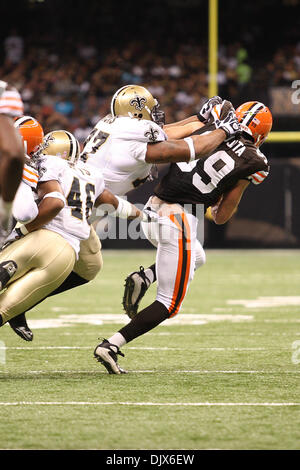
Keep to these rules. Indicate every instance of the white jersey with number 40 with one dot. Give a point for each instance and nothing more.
(118, 146)
(81, 185)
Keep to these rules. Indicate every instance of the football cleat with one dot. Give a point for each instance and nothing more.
(136, 285)
(107, 354)
(20, 327)
(7, 270)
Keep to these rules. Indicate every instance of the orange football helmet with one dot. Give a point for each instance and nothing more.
(31, 132)
(255, 119)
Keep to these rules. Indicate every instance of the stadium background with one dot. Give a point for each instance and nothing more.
(68, 58)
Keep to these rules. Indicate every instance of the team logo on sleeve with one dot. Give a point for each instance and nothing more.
(151, 134)
(138, 102)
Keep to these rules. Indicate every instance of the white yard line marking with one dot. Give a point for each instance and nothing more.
(111, 403)
(101, 371)
(66, 320)
(266, 302)
(141, 348)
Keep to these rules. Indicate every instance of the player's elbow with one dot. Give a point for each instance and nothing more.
(58, 205)
(221, 220)
(222, 216)
(25, 214)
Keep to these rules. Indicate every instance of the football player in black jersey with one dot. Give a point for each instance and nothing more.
(217, 181)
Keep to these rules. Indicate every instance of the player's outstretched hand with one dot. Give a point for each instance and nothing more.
(230, 125)
(205, 112)
(221, 110)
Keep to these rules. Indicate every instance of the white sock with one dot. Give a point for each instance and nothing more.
(117, 339)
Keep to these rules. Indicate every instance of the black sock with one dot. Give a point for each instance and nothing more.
(145, 321)
(73, 280)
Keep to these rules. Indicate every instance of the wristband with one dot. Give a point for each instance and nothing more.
(22, 229)
(190, 143)
(124, 209)
(56, 195)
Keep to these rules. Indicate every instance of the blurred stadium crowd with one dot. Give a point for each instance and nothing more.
(67, 81)
(74, 92)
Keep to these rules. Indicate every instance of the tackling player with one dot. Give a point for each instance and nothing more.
(127, 144)
(41, 254)
(218, 180)
(11, 154)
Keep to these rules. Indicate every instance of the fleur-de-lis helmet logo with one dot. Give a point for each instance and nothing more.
(138, 102)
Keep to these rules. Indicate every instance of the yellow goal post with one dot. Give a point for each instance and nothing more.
(213, 38)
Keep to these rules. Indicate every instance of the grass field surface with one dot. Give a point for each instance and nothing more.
(223, 374)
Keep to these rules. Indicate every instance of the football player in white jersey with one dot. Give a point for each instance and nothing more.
(126, 144)
(11, 154)
(43, 253)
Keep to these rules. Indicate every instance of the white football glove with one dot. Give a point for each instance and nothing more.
(230, 125)
(16, 234)
(149, 215)
(205, 112)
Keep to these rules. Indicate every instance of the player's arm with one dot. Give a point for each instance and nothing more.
(183, 122)
(196, 146)
(180, 151)
(52, 202)
(119, 207)
(12, 158)
(183, 129)
(228, 203)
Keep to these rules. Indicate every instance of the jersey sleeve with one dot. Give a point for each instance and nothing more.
(30, 176)
(140, 133)
(11, 103)
(259, 176)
